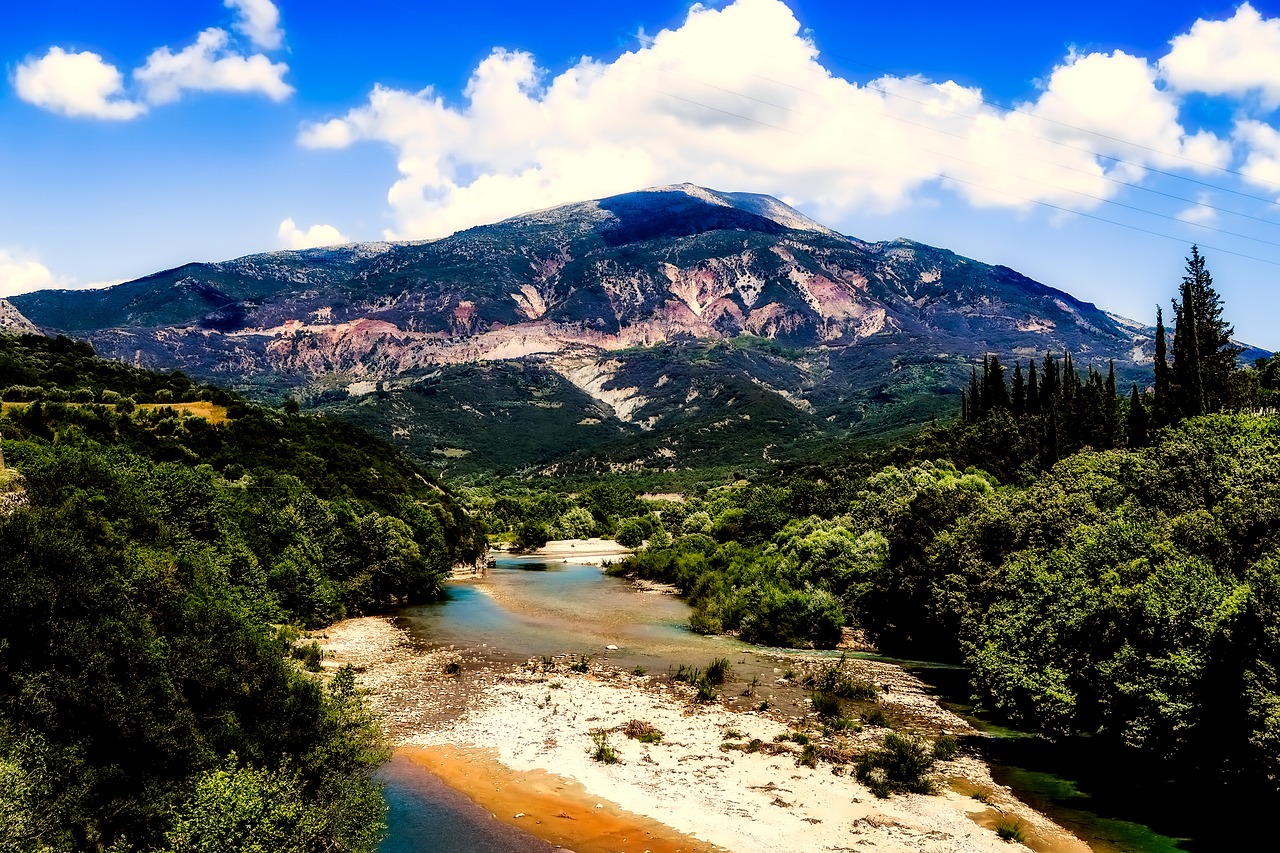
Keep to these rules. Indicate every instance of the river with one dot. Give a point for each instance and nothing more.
(526, 608)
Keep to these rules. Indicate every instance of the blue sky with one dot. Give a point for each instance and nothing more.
(136, 136)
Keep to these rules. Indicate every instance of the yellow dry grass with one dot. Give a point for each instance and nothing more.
(211, 412)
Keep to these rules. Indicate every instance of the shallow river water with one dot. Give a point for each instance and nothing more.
(525, 608)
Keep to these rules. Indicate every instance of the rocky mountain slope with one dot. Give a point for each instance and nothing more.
(676, 325)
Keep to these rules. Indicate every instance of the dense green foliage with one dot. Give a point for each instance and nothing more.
(1130, 594)
(148, 698)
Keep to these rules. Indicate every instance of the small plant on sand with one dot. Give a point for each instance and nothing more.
(643, 731)
(600, 750)
(555, 685)
(900, 766)
(751, 686)
(825, 704)
(1010, 830)
(795, 737)
(834, 680)
(719, 670)
(946, 748)
(453, 667)
(808, 756)
(753, 745)
(706, 691)
(732, 734)
(639, 670)
(876, 717)
(789, 675)
(548, 663)
(687, 674)
(763, 706)
(581, 664)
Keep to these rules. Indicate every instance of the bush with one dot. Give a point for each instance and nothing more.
(825, 704)
(1011, 830)
(718, 670)
(900, 766)
(946, 748)
(643, 731)
(601, 751)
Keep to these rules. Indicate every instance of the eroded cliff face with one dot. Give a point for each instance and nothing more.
(597, 292)
(12, 321)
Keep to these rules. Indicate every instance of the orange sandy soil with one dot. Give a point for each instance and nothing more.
(557, 810)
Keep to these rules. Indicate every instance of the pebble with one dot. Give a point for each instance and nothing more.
(611, 647)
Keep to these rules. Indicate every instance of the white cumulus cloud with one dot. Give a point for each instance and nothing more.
(293, 237)
(210, 65)
(81, 85)
(84, 85)
(259, 20)
(1262, 164)
(22, 274)
(1234, 57)
(737, 98)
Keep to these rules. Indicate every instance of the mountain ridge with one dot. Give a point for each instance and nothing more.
(629, 300)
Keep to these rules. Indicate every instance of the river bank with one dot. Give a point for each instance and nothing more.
(516, 739)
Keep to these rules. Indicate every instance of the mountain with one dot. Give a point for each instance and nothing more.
(12, 322)
(672, 326)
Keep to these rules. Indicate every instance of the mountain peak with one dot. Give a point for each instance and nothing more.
(759, 204)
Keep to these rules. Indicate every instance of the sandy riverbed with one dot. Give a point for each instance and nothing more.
(517, 740)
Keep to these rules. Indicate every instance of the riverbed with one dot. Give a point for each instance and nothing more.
(525, 609)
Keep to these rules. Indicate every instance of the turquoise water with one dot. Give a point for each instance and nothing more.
(524, 609)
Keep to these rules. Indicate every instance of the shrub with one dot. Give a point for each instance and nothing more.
(808, 756)
(901, 765)
(1010, 830)
(706, 691)
(718, 670)
(945, 748)
(643, 731)
(639, 670)
(825, 704)
(581, 664)
(876, 717)
(601, 751)
(310, 655)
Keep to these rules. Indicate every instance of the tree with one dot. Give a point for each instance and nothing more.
(1139, 421)
(1207, 353)
(1162, 404)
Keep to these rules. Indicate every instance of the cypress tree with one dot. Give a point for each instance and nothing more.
(1033, 387)
(995, 394)
(1217, 356)
(1019, 395)
(1187, 382)
(976, 404)
(1139, 423)
(1162, 403)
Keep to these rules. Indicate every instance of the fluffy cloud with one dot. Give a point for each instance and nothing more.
(1233, 57)
(210, 65)
(737, 98)
(20, 274)
(81, 85)
(259, 20)
(1262, 165)
(293, 237)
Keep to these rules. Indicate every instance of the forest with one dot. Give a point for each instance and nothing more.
(153, 692)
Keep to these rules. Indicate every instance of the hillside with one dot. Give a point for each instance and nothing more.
(626, 326)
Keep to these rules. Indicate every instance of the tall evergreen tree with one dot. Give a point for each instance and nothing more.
(1186, 377)
(995, 394)
(1033, 388)
(1162, 414)
(976, 407)
(1018, 397)
(1217, 355)
(1139, 423)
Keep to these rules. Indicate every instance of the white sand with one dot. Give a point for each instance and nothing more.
(743, 802)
